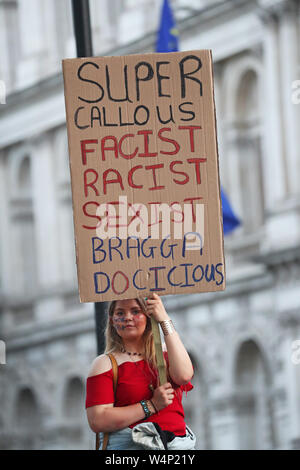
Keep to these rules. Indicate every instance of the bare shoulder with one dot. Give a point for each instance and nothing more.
(99, 365)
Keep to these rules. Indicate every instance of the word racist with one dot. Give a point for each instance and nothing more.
(137, 177)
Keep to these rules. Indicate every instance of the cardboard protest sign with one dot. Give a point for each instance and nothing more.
(144, 174)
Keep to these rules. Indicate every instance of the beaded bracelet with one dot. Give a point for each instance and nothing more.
(145, 408)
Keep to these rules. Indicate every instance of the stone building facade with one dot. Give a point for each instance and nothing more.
(247, 374)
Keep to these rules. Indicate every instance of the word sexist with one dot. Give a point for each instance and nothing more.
(90, 211)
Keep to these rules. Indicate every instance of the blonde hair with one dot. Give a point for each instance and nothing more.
(114, 341)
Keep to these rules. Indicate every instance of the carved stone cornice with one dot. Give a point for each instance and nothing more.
(223, 403)
(280, 257)
(273, 10)
(238, 400)
(289, 318)
(295, 444)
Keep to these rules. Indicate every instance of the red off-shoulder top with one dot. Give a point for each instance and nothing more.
(133, 386)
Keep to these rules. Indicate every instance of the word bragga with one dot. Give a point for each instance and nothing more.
(183, 275)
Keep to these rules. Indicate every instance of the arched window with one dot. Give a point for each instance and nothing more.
(27, 420)
(2, 351)
(248, 142)
(74, 399)
(242, 138)
(22, 233)
(27, 413)
(253, 405)
(10, 43)
(64, 203)
(196, 408)
(247, 103)
(64, 37)
(24, 177)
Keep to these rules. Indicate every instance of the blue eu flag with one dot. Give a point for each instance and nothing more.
(230, 221)
(167, 41)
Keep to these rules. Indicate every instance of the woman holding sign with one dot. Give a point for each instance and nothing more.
(141, 414)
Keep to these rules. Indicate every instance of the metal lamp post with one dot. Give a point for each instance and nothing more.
(84, 47)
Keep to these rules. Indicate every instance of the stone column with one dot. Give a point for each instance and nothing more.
(102, 30)
(224, 422)
(290, 322)
(220, 125)
(5, 72)
(282, 226)
(274, 165)
(35, 24)
(233, 169)
(49, 304)
(6, 248)
(289, 72)
(293, 371)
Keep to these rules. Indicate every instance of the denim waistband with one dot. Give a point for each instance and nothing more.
(146, 436)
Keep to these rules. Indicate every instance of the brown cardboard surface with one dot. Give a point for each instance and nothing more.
(143, 126)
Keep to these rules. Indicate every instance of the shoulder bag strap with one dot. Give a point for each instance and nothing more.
(115, 371)
(115, 383)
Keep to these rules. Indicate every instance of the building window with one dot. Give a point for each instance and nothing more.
(65, 213)
(196, 408)
(253, 407)
(74, 399)
(248, 142)
(24, 269)
(27, 420)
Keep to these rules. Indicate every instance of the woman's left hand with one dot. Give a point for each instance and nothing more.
(156, 308)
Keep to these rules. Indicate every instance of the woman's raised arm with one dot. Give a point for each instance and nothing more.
(180, 365)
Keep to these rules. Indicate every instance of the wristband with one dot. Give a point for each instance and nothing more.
(145, 408)
(154, 407)
(167, 327)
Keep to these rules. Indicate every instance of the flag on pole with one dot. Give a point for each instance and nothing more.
(230, 220)
(168, 41)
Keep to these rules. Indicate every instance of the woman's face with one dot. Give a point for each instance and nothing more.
(129, 319)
